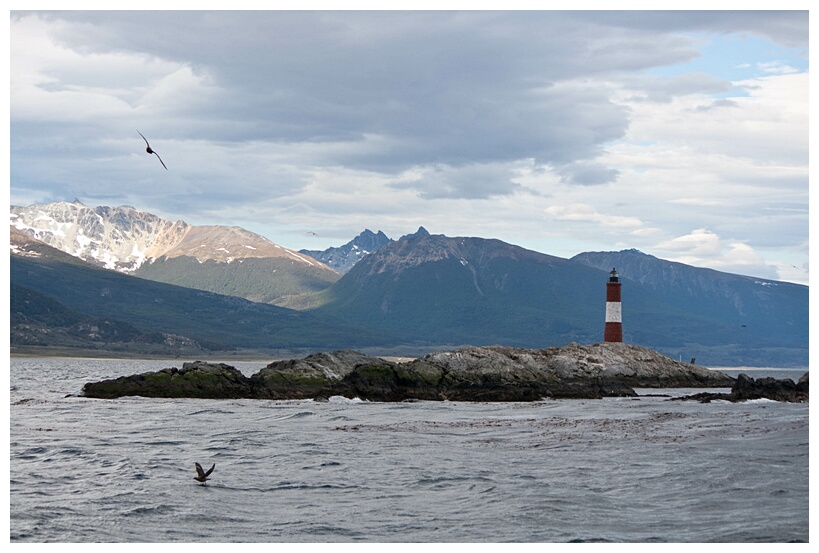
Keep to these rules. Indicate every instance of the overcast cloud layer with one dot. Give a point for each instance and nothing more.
(682, 134)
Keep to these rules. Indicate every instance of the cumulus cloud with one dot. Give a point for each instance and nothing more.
(498, 93)
(704, 248)
(474, 181)
(664, 90)
(587, 173)
(587, 213)
(789, 27)
(700, 242)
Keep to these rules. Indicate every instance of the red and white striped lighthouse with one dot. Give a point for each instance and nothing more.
(614, 321)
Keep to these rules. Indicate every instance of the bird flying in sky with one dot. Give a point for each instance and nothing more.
(150, 151)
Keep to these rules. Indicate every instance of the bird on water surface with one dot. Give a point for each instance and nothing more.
(201, 475)
(150, 151)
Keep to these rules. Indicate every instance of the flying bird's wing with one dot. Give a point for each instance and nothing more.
(143, 138)
(160, 160)
(210, 470)
(199, 471)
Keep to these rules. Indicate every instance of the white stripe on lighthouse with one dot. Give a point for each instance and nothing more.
(613, 312)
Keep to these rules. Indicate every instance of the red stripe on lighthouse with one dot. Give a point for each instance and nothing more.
(613, 292)
(614, 322)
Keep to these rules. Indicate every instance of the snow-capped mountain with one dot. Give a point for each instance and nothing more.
(119, 238)
(123, 238)
(344, 257)
(221, 259)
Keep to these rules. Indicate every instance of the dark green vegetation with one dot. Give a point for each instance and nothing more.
(264, 280)
(56, 291)
(39, 322)
(470, 290)
(427, 291)
(199, 380)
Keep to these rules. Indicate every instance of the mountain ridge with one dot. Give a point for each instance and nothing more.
(343, 258)
(439, 290)
(124, 238)
(222, 259)
(216, 322)
(734, 299)
(484, 291)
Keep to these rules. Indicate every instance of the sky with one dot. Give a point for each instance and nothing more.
(683, 134)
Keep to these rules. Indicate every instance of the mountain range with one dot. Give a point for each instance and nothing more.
(343, 258)
(220, 259)
(482, 291)
(422, 290)
(60, 301)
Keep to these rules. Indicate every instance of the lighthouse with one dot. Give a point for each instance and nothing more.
(614, 321)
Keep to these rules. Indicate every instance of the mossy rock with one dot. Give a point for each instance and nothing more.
(197, 379)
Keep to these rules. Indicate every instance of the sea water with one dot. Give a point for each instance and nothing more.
(618, 469)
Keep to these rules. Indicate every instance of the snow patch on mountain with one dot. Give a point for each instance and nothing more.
(123, 238)
(343, 258)
(119, 238)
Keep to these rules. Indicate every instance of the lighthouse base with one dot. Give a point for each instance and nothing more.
(613, 332)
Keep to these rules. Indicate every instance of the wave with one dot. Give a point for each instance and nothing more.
(211, 411)
(283, 486)
(160, 509)
(345, 401)
(298, 415)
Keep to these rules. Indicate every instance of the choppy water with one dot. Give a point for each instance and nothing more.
(644, 469)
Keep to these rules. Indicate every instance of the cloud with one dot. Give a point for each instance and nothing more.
(717, 104)
(786, 27)
(587, 173)
(476, 181)
(437, 88)
(499, 93)
(700, 242)
(664, 90)
(705, 248)
(777, 67)
(587, 213)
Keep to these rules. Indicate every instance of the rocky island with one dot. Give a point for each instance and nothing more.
(746, 388)
(492, 373)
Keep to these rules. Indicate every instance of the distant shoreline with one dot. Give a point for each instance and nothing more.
(253, 356)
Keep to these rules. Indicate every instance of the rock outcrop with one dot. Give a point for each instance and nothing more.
(493, 373)
(746, 388)
(196, 380)
(316, 375)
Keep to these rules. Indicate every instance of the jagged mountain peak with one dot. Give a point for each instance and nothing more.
(119, 238)
(470, 253)
(370, 240)
(124, 238)
(343, 258)
(417, 234)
